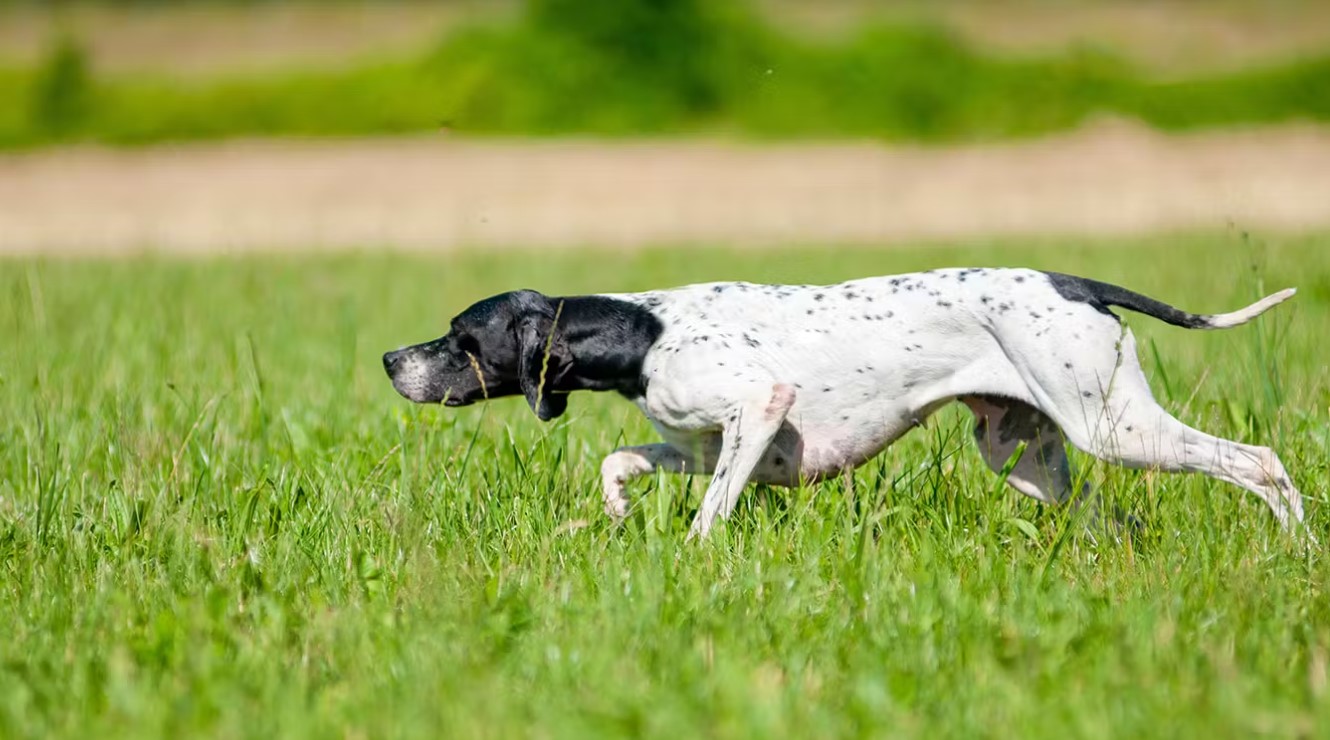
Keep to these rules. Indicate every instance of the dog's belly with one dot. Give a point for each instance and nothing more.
(835, 440)
(809, 446)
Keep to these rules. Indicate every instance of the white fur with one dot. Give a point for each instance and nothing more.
(782, 383)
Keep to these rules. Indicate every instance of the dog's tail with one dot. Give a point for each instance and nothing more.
(1101, 295)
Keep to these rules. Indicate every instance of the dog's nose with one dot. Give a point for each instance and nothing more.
(390, 359)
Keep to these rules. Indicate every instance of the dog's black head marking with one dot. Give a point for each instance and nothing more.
(526, 343)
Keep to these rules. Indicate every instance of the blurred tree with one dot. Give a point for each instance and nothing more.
(672, 44)
(60, 95)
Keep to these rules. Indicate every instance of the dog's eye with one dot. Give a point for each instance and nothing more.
(468, 343)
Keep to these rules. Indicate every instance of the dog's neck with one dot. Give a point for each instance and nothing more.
(609, 340)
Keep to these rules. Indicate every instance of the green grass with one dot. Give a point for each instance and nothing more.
(216, 517)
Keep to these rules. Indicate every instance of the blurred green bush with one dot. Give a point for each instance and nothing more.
(625, 67)
(60, 91)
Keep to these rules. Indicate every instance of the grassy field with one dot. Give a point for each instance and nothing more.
(216, 517)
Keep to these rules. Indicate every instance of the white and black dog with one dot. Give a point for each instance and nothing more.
(783, 383)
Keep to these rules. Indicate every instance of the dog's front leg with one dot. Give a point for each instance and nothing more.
(627, 463)
(746, 435)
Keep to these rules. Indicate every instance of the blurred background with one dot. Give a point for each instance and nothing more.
(134, 125)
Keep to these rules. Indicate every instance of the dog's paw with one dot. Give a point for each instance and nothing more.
(617, 509)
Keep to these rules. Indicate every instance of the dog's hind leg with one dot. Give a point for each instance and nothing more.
(1144, 435)
(627, 463)
(1107, 410)
(745, 437)
(1043, 471)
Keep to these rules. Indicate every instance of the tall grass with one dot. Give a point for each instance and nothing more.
(611, 67)
(216, 517)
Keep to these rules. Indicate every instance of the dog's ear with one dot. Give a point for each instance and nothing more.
(542, 354)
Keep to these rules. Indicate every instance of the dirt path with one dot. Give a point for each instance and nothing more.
(440, 193)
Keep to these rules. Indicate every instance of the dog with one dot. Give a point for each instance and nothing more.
(783, 384)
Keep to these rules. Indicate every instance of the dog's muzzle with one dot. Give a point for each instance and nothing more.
(410, 376)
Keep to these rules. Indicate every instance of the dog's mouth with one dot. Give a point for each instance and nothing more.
(417, 382)
(449, 398)
(420, 380)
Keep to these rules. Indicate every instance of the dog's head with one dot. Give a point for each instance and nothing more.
(502, 346)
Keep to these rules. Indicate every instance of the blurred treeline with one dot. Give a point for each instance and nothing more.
(625, 67)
